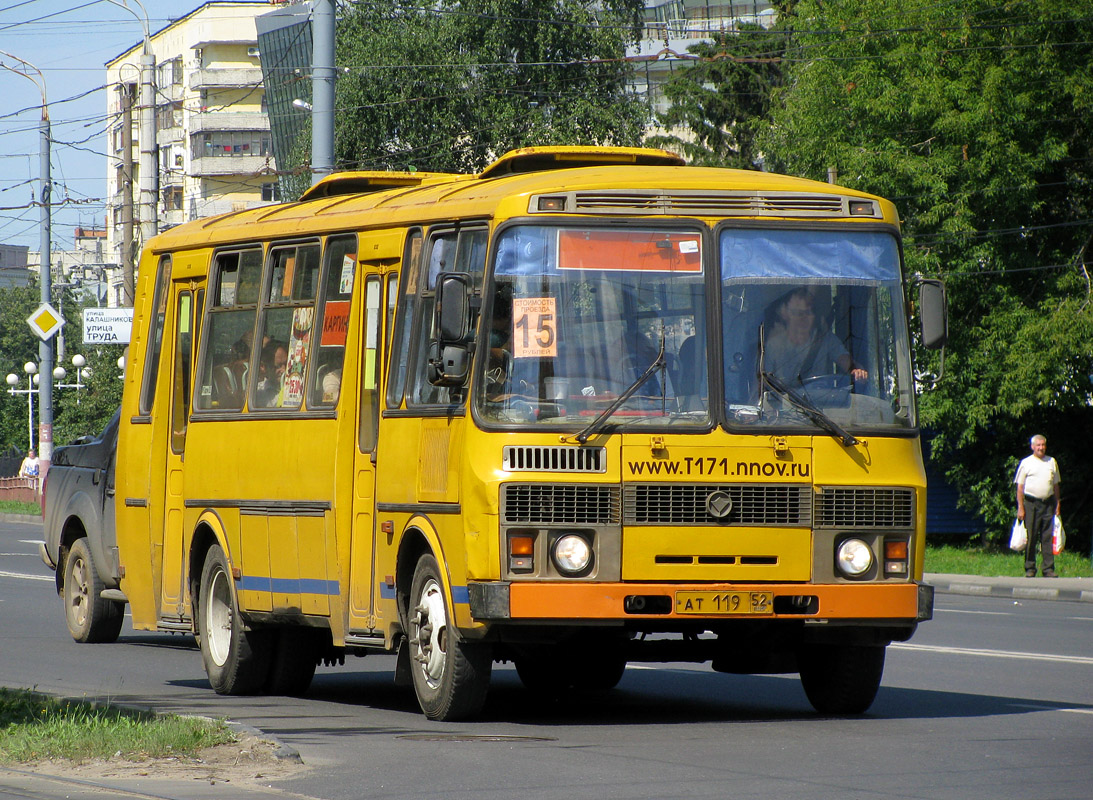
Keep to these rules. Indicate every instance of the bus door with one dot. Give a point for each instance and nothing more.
(185, 313)
(362, 576)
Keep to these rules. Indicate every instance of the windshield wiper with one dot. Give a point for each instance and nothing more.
(809, 409)
(658, 363)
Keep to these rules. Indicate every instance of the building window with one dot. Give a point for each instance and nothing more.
(169, 115)
(218, 144)
(172, 198)
(271, 192)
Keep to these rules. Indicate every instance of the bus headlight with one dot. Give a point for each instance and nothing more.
(854, 557)
(572, 554)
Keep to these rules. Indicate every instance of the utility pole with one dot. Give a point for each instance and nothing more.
(45, 277)
(322, 89)
(128, 262)
(149, 169)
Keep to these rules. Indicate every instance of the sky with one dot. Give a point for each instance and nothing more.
(70, 41)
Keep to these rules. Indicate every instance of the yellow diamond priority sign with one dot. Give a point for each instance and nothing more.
(45, 321)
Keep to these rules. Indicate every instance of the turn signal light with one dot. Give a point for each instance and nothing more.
(521, 553)
(896, 556)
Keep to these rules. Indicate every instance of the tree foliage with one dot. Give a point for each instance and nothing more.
(450, 86)
(76, 412)
(719, 104)
(974, 118)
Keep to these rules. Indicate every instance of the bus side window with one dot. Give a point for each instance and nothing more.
(399, 336)
(226, 356)
(369, 419)
(288, 316)
(332, 324)
(449, 251)
(159, 310)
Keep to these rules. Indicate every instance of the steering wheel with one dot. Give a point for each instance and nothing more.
(829, 389)
(500, 370)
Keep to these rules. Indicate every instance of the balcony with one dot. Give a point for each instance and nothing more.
(228, 121)
(225, 78)
(212, 166)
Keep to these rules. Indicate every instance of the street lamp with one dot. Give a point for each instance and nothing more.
(31, 369)
(59, 374)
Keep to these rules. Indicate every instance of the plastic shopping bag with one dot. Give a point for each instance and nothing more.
(1058, 537)
(1018, 536)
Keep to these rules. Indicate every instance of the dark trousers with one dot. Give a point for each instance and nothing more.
(1040, 524)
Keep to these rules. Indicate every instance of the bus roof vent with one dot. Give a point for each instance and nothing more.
(365, 182)
(553, 458)
(719, 204)
(539, 159)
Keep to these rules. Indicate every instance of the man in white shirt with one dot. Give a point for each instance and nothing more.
(1038, 503)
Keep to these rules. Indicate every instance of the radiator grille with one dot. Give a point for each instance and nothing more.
(685, 504)
(554, 459)
(727, 204)
(865, 507)
(549, 504)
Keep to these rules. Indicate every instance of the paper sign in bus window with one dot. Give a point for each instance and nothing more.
(534, 327)
(629, 251)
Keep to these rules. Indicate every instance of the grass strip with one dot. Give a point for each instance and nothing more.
(992, 562)
(34, 727)
(17, 507)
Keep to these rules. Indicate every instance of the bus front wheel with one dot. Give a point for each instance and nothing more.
(237, 660)
(840, 678)
(450, 675)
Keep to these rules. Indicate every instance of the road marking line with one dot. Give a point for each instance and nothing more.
(5, 574)
(964, 611)
(1037, 707)
(969, 651)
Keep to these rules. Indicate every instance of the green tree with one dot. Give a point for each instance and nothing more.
(974, 118)
(719, 104)
(17, 346)
(450, 86)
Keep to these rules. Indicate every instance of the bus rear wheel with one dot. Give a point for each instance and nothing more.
(90, 618)
(841, 679)
(450, 675)
(237, 660)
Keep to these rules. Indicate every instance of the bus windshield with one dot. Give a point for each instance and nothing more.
(812, 329)
(815, 316)
(579, 315)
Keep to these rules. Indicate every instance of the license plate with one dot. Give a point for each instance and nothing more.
(720, 603)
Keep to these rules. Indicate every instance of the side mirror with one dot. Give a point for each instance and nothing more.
(933, 313)
(453, 307)
(450, 350)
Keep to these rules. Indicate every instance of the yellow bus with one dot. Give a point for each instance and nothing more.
(588, 407)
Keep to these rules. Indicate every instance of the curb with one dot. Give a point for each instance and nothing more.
(1072, 590)
(25, 519)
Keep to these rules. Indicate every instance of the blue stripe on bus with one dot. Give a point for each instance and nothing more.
(460, 594)
(255, 583)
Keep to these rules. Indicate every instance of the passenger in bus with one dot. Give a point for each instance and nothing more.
(796, 348)
(271, 366)
(332, 385)
(230, 378)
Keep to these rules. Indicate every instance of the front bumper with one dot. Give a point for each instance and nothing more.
(578, 602)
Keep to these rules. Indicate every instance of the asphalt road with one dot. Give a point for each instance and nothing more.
(992, 699)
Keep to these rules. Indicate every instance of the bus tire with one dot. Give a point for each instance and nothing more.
(90, 618)
(295, 657)
(841, 679)
(450, 675)
(237, 660)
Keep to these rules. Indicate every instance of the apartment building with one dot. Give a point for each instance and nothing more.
(212, 131)
(671, 26)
